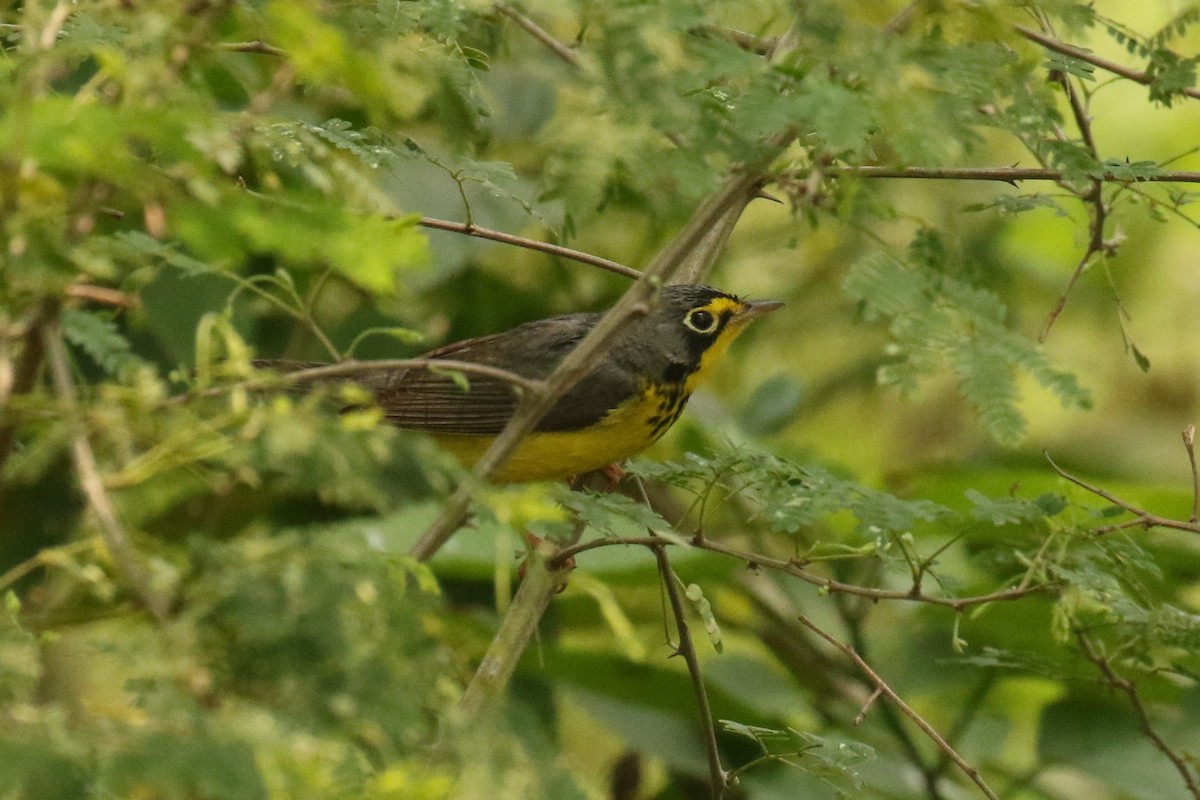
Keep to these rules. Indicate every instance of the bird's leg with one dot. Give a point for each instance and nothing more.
(615, 473)
(612, 474)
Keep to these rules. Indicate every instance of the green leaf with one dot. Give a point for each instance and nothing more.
(1125, 170)
(99, 337)
(369, 251)
(936, 320)
(1011, 510)
(1058, 62)
(614, 515)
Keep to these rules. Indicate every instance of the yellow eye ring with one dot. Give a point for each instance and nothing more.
(700, 321)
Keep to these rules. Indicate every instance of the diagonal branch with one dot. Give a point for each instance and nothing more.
(1050, 43)
(541, 34)
(1094, 197)
(970, 771)
(1129, 688)
(1142, 517)
(530, 244)
(717, 776)
(111, 530)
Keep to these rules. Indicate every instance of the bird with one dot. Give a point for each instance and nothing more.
(615, 411)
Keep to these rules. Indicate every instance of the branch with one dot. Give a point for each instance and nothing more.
(1143, 518)
(796, 569)
(1010, 175)
(1086, 56)
(530, 244)
(759, 45)
(545, 574)
(538, 32)
(353, 368)
(1189, 444)
(113, 534)
(349, 369)
(1130, 689)
(103, 295)
(892, 719)
(970, 771)
(517, 627)
(717, 776)
(1094, 198)
(257, 46)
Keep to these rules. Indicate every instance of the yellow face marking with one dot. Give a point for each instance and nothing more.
(721, 306)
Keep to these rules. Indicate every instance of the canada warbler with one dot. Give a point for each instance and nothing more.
(615, 411)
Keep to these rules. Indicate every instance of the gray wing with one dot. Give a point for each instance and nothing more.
(424, 400)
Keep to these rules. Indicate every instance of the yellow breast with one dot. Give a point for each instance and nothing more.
(551, 455)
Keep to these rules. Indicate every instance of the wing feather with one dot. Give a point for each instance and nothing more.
(420, 399)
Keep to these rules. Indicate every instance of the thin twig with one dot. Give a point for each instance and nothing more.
(103, 295)
(54, 24)
(1010, 175)
(866, 707)
(796, 569)
(970, 771)
(531, 244)
(717, 775)
(718, 778)
(353, 368)
(45, 558)
(759, 45)
(1143, 518)
(892, 719)
(538, 32)
(350, 369)
(1189, 444)
(257, 46)
(969, 710)
(1094, 198)
(115, 539)
(1135, 701)
(1051, 43)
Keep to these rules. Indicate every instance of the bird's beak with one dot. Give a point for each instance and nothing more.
(757, 309)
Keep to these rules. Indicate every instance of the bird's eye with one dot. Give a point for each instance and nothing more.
(700, 321)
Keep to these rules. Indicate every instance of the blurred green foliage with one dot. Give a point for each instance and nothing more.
(186, 187)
